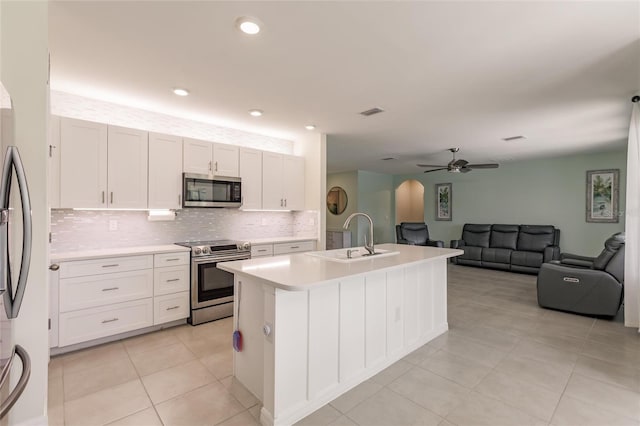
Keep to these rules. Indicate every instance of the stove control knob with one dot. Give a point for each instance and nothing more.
(197, 250)
(205, 250)
(245, 246)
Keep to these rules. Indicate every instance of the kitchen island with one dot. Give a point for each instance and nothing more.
(315, 325)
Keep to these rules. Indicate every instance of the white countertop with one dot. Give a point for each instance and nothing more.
(275, 240)
(300, 271)
(115, 252)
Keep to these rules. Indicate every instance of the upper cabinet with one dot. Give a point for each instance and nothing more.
(282, 182)
(165, 171)
(208, 158)
(53, 184)
(127, 168)
(251, 175)
(83, 164)
(102, 166)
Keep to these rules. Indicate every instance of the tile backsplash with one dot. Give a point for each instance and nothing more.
(77, 230)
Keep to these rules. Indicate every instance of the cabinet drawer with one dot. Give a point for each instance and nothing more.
(89, 324)
(300, 246)
(98, 290)
(171, 259)
(171, 279)
(81, 268)
(170, 307)
(261, 250)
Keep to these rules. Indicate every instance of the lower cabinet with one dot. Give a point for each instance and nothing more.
(261, 250)
(88, 324)
(104, 297)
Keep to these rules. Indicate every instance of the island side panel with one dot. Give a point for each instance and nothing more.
(324, 333)
(352, 330)
(248, 365)
(411, 306)
(439, 280)
(375, 319)
(395, 312)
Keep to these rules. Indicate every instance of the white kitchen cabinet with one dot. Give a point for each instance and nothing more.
(197, 156)
(226, 160)
(83, 163)
(102, 166)
(165, 171)
(53, 184)
(294, 247)
(53, 306)
(282, 182)
(251, 175)
(261, 250)
(208, 158)
(171, 287)
(127, 168)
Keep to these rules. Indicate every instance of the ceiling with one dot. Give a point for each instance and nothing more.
(447, 74)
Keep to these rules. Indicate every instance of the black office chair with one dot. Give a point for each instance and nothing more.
(416, 234)
(585, 285)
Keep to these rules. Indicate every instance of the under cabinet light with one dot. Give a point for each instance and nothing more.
(158, 215)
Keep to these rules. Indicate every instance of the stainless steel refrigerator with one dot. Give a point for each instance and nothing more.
(15, 257)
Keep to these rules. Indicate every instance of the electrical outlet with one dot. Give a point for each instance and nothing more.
(113, 225)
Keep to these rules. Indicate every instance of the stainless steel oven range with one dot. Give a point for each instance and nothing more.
(212, 288)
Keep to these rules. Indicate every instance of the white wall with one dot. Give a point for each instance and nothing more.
(24, 72)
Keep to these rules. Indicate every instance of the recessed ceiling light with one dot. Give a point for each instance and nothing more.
(248, 25)
(310, 127)
(255, 112)
(180, 92)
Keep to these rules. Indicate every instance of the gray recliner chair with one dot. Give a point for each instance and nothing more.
(585, 285)
(416, 234)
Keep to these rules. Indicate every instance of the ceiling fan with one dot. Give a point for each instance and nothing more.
(458, 166)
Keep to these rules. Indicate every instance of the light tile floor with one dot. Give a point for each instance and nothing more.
(504, 361)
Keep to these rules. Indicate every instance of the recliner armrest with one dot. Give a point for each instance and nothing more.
(576, 261)
(565, 256)
(551, 253)
(435, 243)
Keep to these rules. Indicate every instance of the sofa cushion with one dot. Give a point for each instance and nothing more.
(496, 255)
(526, 258)
(471, 253)
(535, 237)
(504, 236)
(476, 235)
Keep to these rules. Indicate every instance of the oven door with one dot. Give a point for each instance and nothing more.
(209, 285)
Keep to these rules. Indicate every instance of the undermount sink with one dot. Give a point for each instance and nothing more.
(357, 254)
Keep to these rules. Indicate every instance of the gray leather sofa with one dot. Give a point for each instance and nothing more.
(415, 233)
(585, 285)
(518, 248)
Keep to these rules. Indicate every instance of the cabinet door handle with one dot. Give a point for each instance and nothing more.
(110, 320)
(54, 267)
(285, 202)
(173, 280)
(173, 259)
(110, 288)
(209, 165)
(110, 266)
(216, 166)
(111, 197)
(173, 307)
(281, 202)
(294, 247)
(262, 250)
(102, 197)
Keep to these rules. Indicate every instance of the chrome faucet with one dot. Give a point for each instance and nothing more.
(368, 247)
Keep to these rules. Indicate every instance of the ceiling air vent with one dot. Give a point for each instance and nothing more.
(514, 138)
(372, 111)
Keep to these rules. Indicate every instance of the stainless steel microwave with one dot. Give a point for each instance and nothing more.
(207, 191)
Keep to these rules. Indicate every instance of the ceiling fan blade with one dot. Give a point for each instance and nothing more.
(483, 166)
(460, 163)
(435, 170)
(429, 165)
(464, 169)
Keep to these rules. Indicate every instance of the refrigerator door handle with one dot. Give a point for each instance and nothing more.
(12, 162)
(22, 382)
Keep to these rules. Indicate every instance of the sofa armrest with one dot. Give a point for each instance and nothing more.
(435, 243)
(551, 253)
(457, 244)
(565, 256)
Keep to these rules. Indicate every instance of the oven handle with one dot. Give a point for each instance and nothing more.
(216, 259)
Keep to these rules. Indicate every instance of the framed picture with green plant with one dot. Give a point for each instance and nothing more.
(602, 196)
(444, 206)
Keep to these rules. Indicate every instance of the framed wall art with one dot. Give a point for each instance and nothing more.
(444, 206)
(602, 196)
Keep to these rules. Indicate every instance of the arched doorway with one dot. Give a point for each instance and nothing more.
(410, 202)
